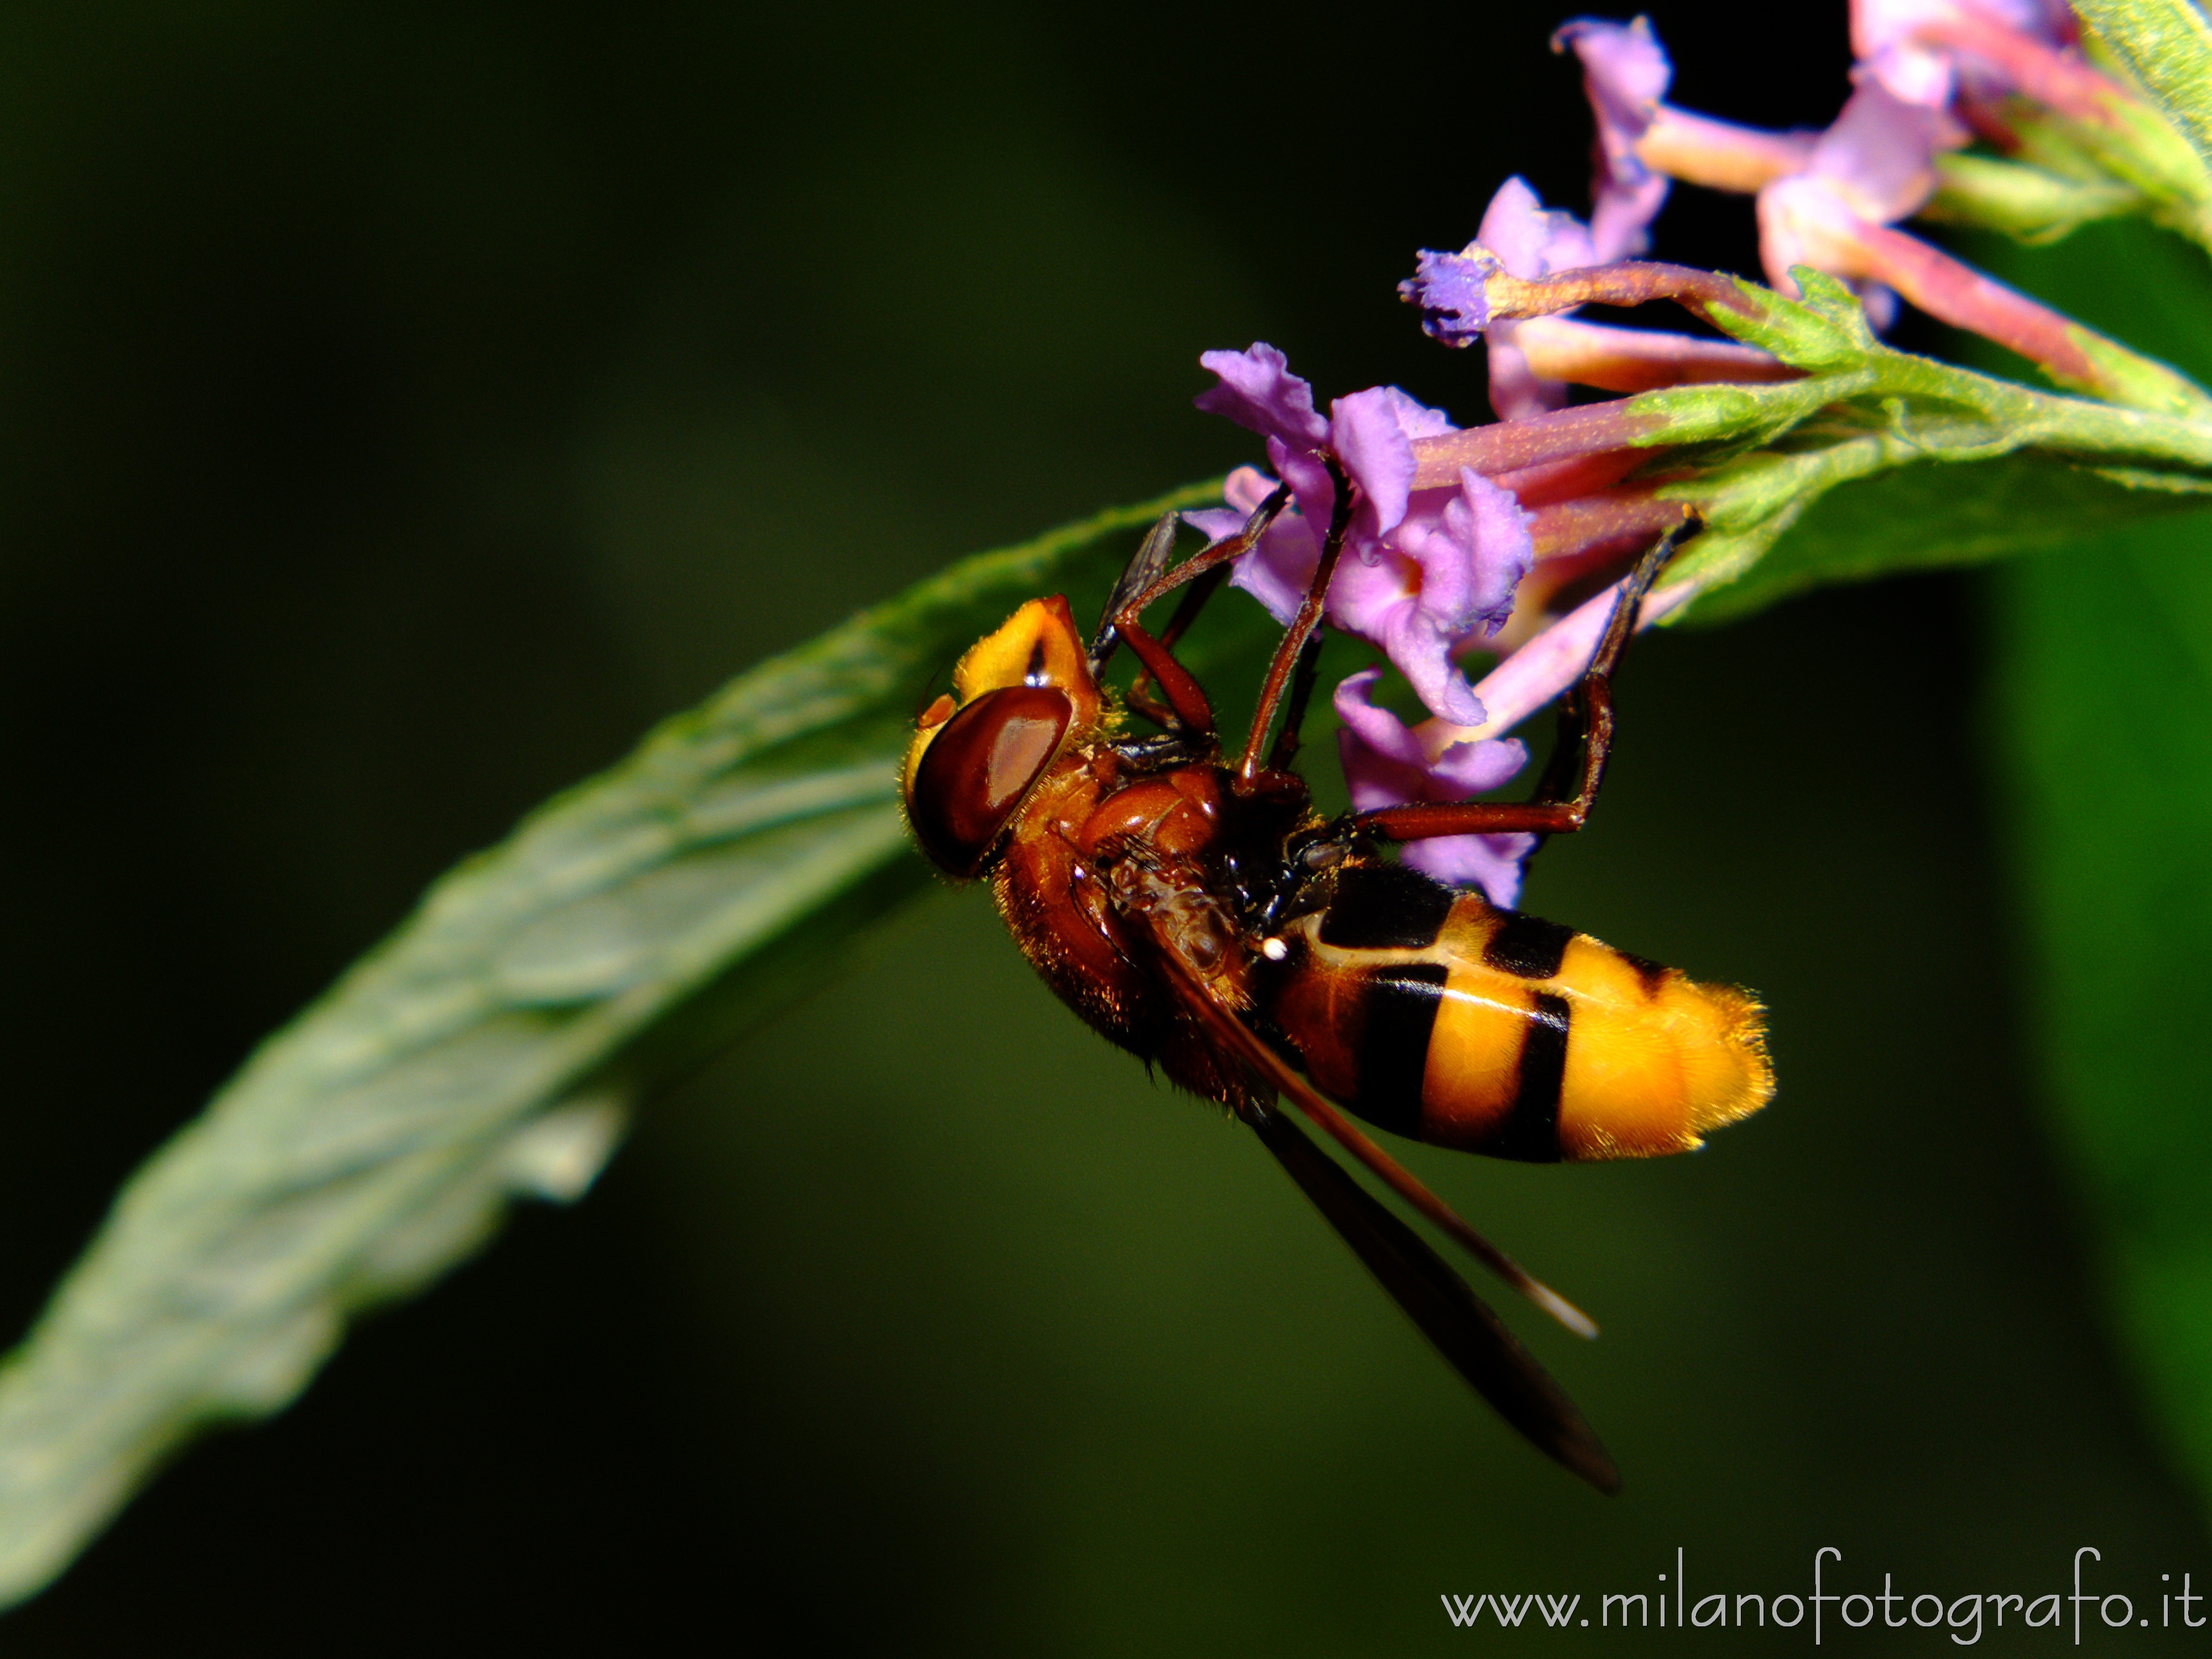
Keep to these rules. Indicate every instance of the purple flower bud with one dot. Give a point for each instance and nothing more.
(1386, 765)
(1625, 73)
(1448, 290)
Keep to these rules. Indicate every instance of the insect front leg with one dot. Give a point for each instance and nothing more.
(1572, 777)
(1140, 697)
(1294, 712)
(1186, 708)
(1292, 654)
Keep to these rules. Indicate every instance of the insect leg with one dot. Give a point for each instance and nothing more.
(1302, 686)
(1144, 568)
(1187, 706)
(1140, 698)
(1585, 738)
(1291, 652)
(1147, 579)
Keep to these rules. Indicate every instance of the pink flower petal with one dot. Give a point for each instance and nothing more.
(1626, 72)
(1259, 392)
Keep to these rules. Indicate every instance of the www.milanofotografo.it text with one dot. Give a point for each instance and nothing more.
(1833, 1607)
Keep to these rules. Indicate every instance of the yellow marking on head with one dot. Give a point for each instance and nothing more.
(1038, 645)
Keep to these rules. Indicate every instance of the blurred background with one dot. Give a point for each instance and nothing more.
(404, 406)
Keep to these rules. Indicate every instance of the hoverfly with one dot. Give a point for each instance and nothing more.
(1192, 906)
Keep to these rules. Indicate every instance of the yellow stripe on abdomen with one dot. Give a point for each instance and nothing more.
(1496, 1032)
(1655, 1059)
(1550, 1044)
(1472, 1084)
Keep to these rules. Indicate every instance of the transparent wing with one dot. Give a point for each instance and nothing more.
(1471, 1338)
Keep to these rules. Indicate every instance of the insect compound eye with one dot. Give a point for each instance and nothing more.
(979, 766)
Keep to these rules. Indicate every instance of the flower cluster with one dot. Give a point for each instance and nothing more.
(1428, 571)
(1467, 539)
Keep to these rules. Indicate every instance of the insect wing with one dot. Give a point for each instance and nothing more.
(1148, 565)
(1464, 1331)
(1230, 1029)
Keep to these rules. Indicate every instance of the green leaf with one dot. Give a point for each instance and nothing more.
(1933, 514)
(1823, 331)
(2167, 46)
(492, 1046)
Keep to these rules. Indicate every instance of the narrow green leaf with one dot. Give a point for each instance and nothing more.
(492, 1046)
(1931, 513)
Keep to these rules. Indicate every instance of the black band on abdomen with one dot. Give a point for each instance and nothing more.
(1529, 1130)
(1528, 947)
(1398, 1010)
(1385, 907)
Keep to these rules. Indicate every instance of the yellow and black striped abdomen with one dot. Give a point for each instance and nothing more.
(1434, 1015)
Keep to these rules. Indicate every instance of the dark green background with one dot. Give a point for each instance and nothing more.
(399, 408)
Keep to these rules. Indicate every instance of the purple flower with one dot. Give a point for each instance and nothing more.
(1880, 155)
(1449, 290)
(1257, 390)
(1625, 73)
(1424, 572)
(1531, 241)
(1486, 291)
(1936, 52)
(1386, 765)
(1875, 165)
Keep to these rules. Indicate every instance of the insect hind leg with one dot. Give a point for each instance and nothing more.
(1570, 780)
(1583, 740)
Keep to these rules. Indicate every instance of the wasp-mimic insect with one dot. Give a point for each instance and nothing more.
(1192, 906)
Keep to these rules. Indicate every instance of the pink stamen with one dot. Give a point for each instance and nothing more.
(1834, 238)
(1625, 283)
(1628, 516)
(1511, 446)
(1560, 481)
